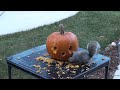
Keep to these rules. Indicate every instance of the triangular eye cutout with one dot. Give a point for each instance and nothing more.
(55, 48)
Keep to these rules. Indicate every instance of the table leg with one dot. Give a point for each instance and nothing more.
(106, 72)
(9, 71)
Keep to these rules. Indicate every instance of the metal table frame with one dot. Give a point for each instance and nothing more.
(81, 75)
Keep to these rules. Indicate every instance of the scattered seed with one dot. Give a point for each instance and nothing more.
(82, 66)
(82, 70)
(53, 78)
(48, 60)
(48, 73)
(68, 77)
(77, 66)
(67, 66)
(73, 72)
(57, 72)
(37, 66)
(103, 58)
(18, 58)
(37, 71)
(44, 68)
(48, 65)
(60, 63)
(58, 75)
(63, 72)
(67, 69)
(48, 70)
(34, 65)
(87, 68)
(46, 54)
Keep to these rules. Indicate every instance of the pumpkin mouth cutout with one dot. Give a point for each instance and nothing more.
(70, 48)
(63, 54)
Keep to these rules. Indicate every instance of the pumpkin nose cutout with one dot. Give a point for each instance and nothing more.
(63, 54)
(70, 50)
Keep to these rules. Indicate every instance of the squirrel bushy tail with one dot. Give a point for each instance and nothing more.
(93, 48)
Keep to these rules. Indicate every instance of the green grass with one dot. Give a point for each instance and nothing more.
(87, 25)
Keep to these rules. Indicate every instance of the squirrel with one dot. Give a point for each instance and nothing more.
(85, 56)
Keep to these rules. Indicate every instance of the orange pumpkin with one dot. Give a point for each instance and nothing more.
(60, 45)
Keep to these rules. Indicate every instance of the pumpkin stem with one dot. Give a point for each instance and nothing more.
(61, 28)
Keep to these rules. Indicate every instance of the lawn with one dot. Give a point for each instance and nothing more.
(103, 26)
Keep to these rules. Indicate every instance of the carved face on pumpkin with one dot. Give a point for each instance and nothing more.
(60, 45)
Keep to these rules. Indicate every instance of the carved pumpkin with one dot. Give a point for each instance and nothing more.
(60, 45)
